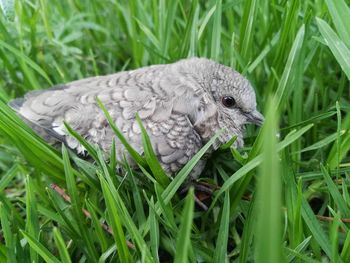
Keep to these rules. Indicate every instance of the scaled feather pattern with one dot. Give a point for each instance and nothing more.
(182, 105)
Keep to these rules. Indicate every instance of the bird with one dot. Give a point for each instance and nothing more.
(181, 105)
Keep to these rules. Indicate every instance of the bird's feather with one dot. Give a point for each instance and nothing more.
(179, 104)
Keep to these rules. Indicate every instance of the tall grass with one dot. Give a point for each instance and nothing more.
(283, 198)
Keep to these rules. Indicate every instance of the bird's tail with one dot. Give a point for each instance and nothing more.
(16, 104)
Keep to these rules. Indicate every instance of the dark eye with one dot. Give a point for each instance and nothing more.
(228, 101)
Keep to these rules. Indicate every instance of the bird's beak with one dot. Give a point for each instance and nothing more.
(255, 117)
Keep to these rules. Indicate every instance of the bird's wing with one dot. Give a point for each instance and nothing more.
(123, 94)
(174, 140)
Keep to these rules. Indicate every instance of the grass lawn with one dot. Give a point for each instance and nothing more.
(283, 198)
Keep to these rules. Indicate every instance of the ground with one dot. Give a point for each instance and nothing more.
(282, 198)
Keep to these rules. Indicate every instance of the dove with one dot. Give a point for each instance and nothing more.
(182, 105)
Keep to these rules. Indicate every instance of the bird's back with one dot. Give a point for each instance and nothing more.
(144, 91)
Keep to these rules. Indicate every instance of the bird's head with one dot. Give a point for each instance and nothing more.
(226, 100)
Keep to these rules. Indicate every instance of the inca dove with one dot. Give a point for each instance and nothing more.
(182, 105)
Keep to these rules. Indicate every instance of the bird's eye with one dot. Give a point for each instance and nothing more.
(228, 101)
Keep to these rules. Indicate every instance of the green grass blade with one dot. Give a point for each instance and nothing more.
(8, 176)
(149, 34)
(77, 207)
(282, 91)
(220, 253)
(269, 226)
(340, 13)
(154, 232)
(103, 258)
(115, 223)
(216, 32)
(169, 24)
(189, 44)
(100, 233)
(336, 195)
(27, 60)
(134, 154)
(340, 51)
(246, 30)
(181, 176)
(151, 157)
(334, 238)
(302, 246)
(137, 197)
(167, 209)
(125, 217)
(345, 252)
(36, 151)
(205, 21)
(315, 227)
(62, 249)
(324, 142)
(32, 223)
(40, 249)
(7, 234)
(89, 148)
(342, 144)
(290, 138)
(64, 218)
(183, 242)
(304, 258)
(248, 233)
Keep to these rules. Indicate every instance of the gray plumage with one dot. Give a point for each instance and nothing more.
(182, 105)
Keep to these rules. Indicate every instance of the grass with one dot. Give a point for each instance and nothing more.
(282, 198)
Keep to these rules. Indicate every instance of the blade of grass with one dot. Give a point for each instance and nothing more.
(336, 195)
(40, 249)
(8, 176)
(345, 252)
(269, 227)
(126, 219)
(62, 249)
(290, 138)
(115, 223)
(154, 232)
(134, 154)
(87, 146)
(32, 222)
(168, 210)
(282, 91)
(151, 157)
(248, 232)
(342, 145)
(246, 30)
(181, 176)
(97, 226)
(205, 21)
(216, 32)
(324, 142)
(190, 35)
(300, 248)
(26, 60)
(334, 238)
(315, 227)
(183, 242)
(137, 197)
(169, 25)
(336, 45)
(340, 13)
(7, 234)
(220, 253)
(77, 207)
